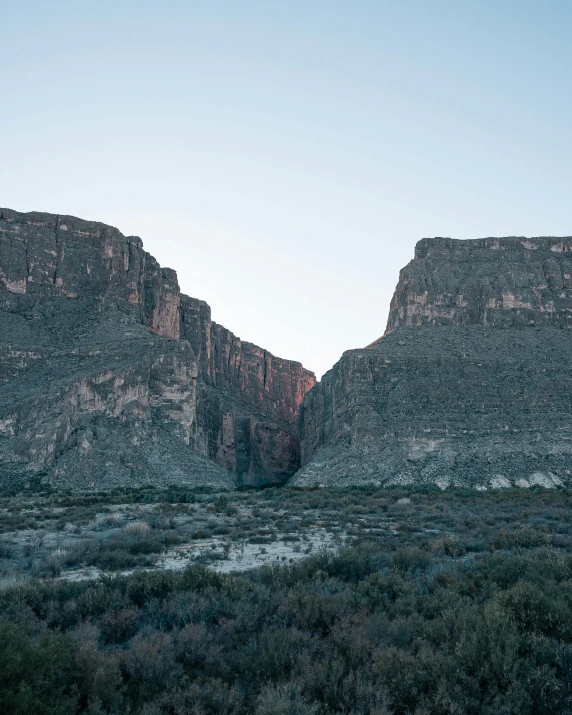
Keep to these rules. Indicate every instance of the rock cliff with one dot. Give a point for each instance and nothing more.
(471, 384)
(109, 376)
(247, 401)
(495, 282)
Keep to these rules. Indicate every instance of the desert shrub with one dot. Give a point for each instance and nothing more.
(201, 533)
(261, 539)
(410, 559)
(6, 550)
(125, 548)
(97, 675)
(525, 537)
(36, 668)
(445, 614)
(283, 700)
(119, 625)
(149, 665)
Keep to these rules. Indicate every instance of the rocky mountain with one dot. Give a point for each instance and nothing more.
(471, 383)
(109, 376)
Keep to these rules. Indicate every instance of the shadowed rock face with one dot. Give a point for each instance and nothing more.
(471, 384)
(109, 376)
(247, 400)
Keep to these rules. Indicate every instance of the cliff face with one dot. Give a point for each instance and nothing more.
(495, 282)
(49, 256)
(248, 400)
(109, 376)
(471, 385)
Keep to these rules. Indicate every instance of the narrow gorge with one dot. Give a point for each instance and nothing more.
(110, 376)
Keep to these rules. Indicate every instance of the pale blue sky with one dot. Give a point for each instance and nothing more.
(285, 157)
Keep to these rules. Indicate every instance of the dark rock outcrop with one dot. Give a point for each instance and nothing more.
(109, 376)
(471, 384)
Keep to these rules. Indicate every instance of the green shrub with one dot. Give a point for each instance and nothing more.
(36, 668)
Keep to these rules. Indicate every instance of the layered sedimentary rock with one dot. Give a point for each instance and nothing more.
(470, 385)
(247, 401)
(48, 256)
(109, 376)
(495, 282)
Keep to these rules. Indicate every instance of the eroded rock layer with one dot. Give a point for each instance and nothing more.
(471, 384)
(110, 377)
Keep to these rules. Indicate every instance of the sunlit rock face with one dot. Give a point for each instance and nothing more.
(471, 384)
(110, 377)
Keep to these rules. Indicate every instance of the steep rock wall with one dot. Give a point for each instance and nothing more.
(90, 398)
(248, 400)
(495, 282)
(45, 255)
(471, 384)
(61, 280)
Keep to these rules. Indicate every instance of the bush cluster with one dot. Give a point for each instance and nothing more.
(364, 631)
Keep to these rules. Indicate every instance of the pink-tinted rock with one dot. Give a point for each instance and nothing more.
(248, 400)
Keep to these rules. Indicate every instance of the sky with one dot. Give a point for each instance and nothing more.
(285, 157)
